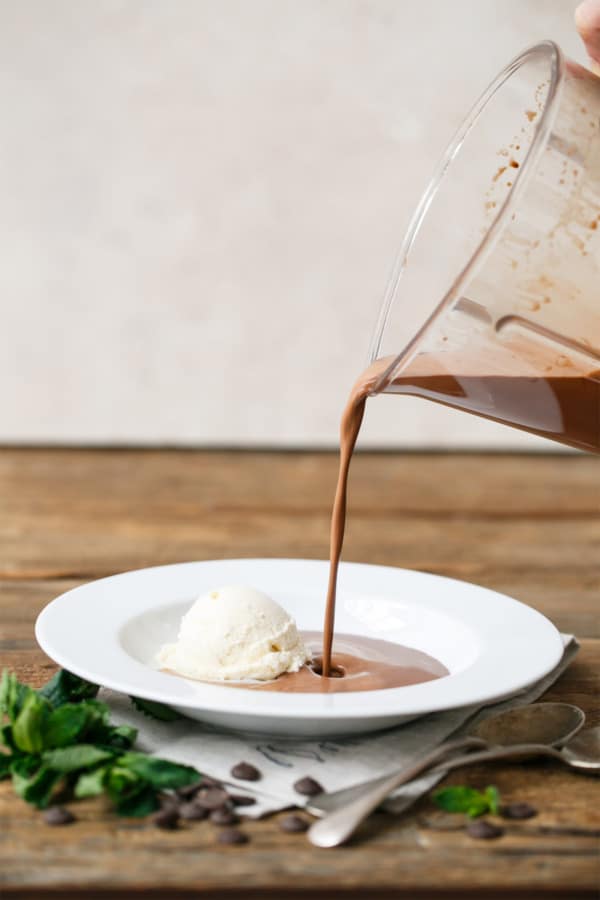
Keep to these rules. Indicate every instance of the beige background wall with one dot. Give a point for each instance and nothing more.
(200, 201)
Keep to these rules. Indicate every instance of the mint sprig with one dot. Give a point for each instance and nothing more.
(64, 687)
(60, 738)
(155, 710)
(462, 799)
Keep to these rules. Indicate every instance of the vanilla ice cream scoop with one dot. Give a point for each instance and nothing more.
(233, 633)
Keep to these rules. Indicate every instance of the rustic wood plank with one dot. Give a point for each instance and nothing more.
(66, 515)
(86, 546)
(242, 893)
(468, 549)
(503, 485)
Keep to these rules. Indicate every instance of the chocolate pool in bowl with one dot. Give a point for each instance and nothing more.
(359, 664)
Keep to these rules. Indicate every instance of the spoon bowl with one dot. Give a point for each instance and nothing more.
(538, 723)
(583, 751)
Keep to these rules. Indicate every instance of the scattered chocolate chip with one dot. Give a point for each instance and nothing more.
(211, 798)
(223, 816)
(242, 800)
(192, 811)
(207, 781)
(167, 801)
(308, 786)
(518, 811)
(189, 790)
(293, 823)
(232, 836)
(245, 771)
(166, 818)
(484, 830)
(58, 815)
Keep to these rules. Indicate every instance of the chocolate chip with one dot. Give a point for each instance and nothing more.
(58, 815)
(245, 772)
(518, 811)
(223, 816)
(211, 798)
(167, 801)
(166, 818)
(308, 786)
(189, 790)
(242, 800)
(232, 836)
(207, 781)
(484, 830)
(293, 823)
(192, 811)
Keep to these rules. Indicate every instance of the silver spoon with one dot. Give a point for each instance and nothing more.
(538, 727)
(539, 723)
(581, 753)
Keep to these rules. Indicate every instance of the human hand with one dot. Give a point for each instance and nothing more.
(587, 21)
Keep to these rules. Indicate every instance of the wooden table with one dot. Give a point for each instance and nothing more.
(527, 525)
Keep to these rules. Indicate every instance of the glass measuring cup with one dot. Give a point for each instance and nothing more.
(493, 306)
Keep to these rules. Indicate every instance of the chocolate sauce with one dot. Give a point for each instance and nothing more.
(350, 426)
(361, 664)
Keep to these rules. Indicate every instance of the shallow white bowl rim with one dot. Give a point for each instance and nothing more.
(80, 630)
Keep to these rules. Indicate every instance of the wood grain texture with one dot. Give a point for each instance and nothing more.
(525, 525)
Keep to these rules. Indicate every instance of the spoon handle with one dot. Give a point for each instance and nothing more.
(517, 751)
(337, 826)
(328, 802)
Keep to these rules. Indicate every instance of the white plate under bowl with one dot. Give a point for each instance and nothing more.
(109, 631)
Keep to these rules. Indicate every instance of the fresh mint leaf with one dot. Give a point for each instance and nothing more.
(12, 695)
(29, 726)
(492, 795)
(65, 724)
(141, 803)
(97, 725)
(455, 799)
(120, 737)
(160, 773)
(462, 799)
(101, 732)
(90, 784)
(75, 758)
(98, 711)
(7, 739)
(5, 764)
(122, 782)
(61, 736)
(33, 782)
(64, 687)
(155, 710)
(131, 795)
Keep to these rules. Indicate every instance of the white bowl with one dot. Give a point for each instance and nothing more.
(109, 631)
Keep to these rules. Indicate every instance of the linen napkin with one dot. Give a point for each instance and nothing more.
(335, 764)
